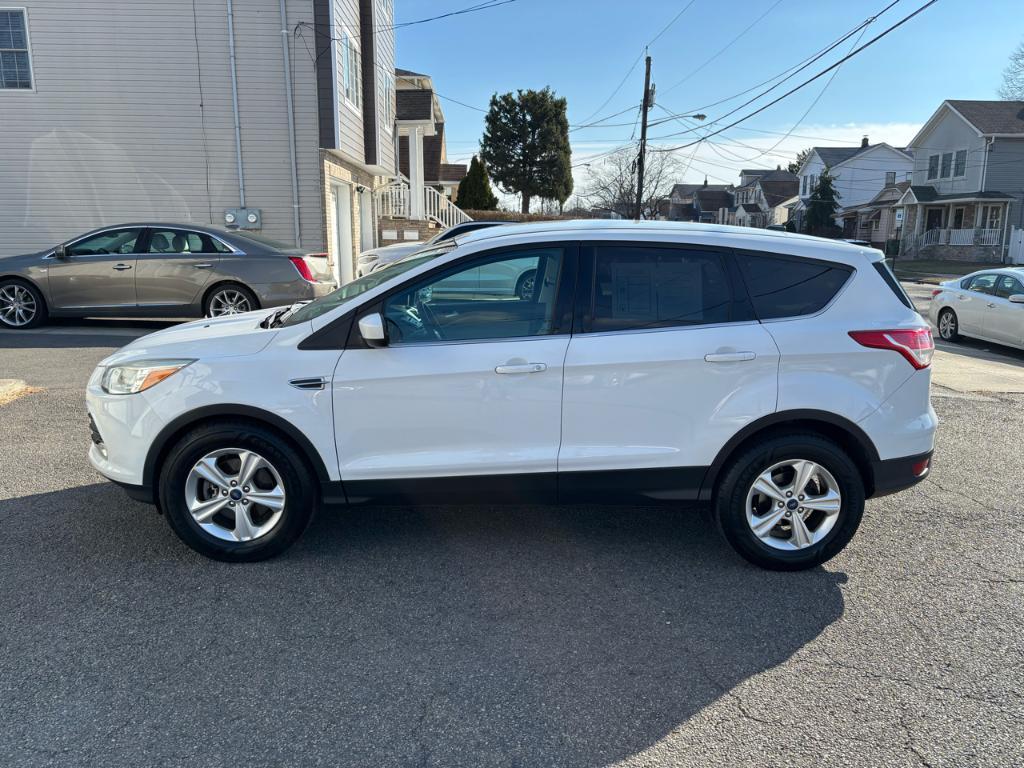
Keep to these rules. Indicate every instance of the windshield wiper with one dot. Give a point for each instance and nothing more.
(273, 320)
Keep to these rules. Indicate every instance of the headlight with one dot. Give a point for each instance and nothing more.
(135, 377)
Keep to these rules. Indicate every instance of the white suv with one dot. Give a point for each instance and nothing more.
(782, 378)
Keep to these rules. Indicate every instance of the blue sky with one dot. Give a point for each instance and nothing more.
(583, 48)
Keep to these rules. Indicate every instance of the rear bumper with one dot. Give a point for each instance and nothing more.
(894, 475)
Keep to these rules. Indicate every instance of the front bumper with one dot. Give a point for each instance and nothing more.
(122, 428)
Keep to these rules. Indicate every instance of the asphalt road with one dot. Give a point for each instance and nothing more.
(501, 636)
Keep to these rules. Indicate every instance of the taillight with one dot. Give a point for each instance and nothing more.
(303, 268)
(936, 292)
(915, 344)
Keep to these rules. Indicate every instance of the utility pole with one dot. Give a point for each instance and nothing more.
(643, 141)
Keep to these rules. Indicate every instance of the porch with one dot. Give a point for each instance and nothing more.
(971, 229)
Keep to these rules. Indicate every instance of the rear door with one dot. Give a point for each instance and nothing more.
(98, 271)
(971, 305)
(177, 263)
(1004, 320)
(666, 365)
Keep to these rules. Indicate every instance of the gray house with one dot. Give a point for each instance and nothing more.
(274, 115)
(967, 189)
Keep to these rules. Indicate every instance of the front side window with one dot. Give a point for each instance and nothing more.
(177, 241)
(789, 287)
(933, 166)
(643, 287)
(960, 163)
(497, 297)
(1008, 286)
(15, 64)
(111, 241)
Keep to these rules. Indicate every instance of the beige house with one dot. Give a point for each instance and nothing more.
(199, 112)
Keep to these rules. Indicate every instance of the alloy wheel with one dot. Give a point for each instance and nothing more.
(793, 504)
(235, 494)
(526, 287)
(229, 302)
(947, 325)
(17, 305)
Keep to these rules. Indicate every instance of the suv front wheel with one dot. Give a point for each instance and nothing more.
(235, 491)
(791, 502)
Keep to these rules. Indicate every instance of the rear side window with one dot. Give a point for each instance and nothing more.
(894, 285)
(642, 287)
(788, 287)
(983, 284)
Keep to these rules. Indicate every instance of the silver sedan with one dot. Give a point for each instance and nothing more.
(154, 270)
(987, 305)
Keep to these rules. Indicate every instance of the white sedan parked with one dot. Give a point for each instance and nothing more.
(986, 305)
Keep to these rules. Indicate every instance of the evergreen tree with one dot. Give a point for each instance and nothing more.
(526, 145)
(475, 190)
(802, 155)
(820, 218)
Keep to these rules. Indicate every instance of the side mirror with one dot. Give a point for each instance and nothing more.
(1017, 298)
(60, 252)
(373, 331)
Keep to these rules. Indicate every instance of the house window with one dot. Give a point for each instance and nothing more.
(960, 163)
(15, 66)
(350, 75)
(947, 164)
(890, 178)
(990, 216)
(933, 167)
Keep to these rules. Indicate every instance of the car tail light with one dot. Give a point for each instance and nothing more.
(915, 344)
(302, 267)
(936, 292)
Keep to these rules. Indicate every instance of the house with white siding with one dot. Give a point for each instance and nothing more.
(858, 173)
(272, 115)
(967, 190)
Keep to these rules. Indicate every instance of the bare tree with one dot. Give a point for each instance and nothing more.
(612, 182)
(1012, 88)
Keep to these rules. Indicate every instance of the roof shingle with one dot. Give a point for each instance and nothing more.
(992, 116)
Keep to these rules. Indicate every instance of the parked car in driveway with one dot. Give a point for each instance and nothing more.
(781, 378)
(986, 305)
(154, 270)
(378, 258)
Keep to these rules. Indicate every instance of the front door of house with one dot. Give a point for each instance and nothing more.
(933, 220)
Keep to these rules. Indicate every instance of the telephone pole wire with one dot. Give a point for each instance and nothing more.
(643, 141)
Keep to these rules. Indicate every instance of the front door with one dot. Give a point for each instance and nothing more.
(1004, 320)
(97, 273)
(177, 263)
(468, 391)
(933, 219)
(669, 366)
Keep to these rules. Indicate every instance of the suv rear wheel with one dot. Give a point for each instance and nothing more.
(791, 502)
(236, 492)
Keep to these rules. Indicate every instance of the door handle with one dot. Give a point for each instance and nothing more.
(122, 267)
(964, 298)
(202, 266)
(991, 304)
(729, 357)
(521, 368)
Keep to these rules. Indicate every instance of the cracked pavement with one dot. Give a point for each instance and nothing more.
(501, 636)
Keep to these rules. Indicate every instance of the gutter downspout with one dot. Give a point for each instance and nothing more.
(234, 104)
(291, 122)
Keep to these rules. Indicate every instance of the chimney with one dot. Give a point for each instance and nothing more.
(705, 181)
(864, 142)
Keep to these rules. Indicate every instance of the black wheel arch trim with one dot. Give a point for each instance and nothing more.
(803, 418)
(161, 444)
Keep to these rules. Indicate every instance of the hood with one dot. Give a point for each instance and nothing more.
(230, 336)
(392, 252)
(6, 262)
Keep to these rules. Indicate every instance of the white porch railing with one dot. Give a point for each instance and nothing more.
(442, 210)
(395, 200)
(971, 236)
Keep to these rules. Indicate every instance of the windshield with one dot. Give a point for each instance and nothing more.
(358, 287)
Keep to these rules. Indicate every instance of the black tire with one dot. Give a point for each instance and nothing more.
(731, 498)
(952, 332)
(40, 311)
(226, 288)
(301, 500)
(525, 285)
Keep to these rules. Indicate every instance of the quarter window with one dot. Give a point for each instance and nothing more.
(637, 287)
(784, 287)
(15, 64)
(111, 241)
(506, 296)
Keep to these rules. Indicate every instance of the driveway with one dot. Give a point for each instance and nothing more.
(502, 636)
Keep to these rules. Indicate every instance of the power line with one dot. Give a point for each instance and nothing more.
(810, 80)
